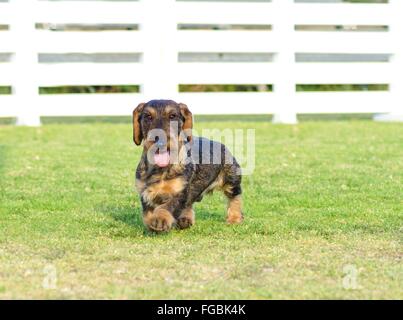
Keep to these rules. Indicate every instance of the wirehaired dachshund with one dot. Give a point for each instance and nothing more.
(177, 169)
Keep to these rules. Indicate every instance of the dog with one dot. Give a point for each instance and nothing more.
(177, 169)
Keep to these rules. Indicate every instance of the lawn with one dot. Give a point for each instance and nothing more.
(323, 217)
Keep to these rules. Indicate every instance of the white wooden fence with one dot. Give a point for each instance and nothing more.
(160, 41)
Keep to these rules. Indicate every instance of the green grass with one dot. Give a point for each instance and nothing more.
(324, 195)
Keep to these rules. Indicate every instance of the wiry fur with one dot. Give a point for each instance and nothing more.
(167, 194)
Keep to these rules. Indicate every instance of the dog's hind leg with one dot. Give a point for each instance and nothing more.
(234, 210)
(232, 190)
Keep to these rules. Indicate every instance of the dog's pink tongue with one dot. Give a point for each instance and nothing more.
(161, 159)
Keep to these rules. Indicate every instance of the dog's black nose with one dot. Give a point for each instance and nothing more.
(160, 144)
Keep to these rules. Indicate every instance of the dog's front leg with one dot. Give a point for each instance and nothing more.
(160, 219)
(186, 218)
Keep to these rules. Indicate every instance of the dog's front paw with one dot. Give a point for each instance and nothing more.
(185, 222)
(235, 219)
(186, 219)
(160, 220)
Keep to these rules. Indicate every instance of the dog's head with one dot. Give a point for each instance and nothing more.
(164, 126)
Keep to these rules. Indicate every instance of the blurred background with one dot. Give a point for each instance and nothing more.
(102, 57)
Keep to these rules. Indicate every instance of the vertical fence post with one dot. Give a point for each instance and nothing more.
(396, 85)
(284, 88)
(160, 56)
(25, 90)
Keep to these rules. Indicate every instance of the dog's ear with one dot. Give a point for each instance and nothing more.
(188, 124)
(137, 134)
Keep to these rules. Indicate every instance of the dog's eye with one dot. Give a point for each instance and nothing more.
(172, 116)
(148, 117)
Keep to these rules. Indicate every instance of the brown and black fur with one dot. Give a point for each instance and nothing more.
(167, 194)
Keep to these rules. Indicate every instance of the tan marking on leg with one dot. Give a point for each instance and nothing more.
(186, 219)
(161, 220)
(234, 211)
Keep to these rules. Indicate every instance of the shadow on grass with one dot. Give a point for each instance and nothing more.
(128, 216)
(131, 216)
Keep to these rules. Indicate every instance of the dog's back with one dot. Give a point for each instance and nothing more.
(215, 168)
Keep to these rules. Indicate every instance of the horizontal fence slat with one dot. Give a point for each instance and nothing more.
(268, 103)
(123, 104)
(90, 74)
(228, 41)
(5, 13)
(105, 41)
(88, 104)
(345, 102)
(7, 74)
(227, 73)
(343, 42)
(230, 102)
(7, 106)
(334, 73)
(88, 12)
(7, 41)
(211, 103)
(224, 13)
(341, 13)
